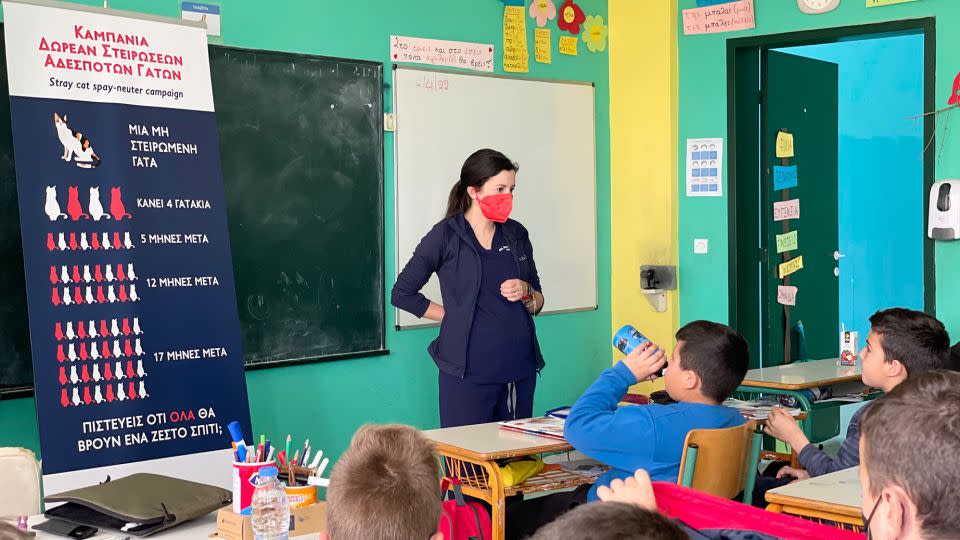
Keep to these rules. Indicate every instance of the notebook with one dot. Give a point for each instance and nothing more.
(545, 426)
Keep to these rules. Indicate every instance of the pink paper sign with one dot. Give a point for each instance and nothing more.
(787, 295)
(727, 17)
(786, 210)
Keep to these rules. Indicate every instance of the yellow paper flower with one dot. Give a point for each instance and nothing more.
(594, 33)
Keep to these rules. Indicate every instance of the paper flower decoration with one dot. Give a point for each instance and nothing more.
(571, 17)
(543, 11)
(595, 34)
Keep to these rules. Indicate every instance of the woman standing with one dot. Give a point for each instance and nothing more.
(487, 350)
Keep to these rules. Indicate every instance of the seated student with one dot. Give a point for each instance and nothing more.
(908, 473)
(385, 486)
(709, 362)
(902, 343)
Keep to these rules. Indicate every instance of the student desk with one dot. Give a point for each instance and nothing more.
(792, 379)
(833, 497)
(201, 527)
(470, 453)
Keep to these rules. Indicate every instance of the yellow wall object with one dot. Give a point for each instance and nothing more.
(643, 146)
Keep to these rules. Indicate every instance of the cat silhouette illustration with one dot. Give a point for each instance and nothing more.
(95, 241)
(87, 278)
(97, 396)
(92, 326)
(97, 274)
(143, 391)
(64, 275)
(103, 328)
(100, 297)
(71, 145)
(133, 293)
(64, 400)
(127, 349)
(110, 396)
(125, 327)
(52, 207)
(120, 274)
(87, 399)
(105, 241)
(120, 394)
(88, 298)
(71, 352)
(73, 374)
(136, 326)
(114, 327)
(60, 356)
(132, 392)
(117, 244)
(81, 330)
(61, 242)
(130, 372)
(118, 370)
(76, 397)
(137, 349)
(58, 331)
(123, 293)
(111, 295)
(67, 301)
(84, 374)
(105, 350)
(117, 210)
(127, 243)
(73, 204)
(77, 297)
(76, 274)
(96, 373)
(83, 351)
(51, 245)
(117, 353)
(55, 296)
(54, 278)
(84, 244)
(140, 371)
(130, 273)
(95, 206)
(70, 335)
(73, 242)
(94, 352)
(109, 272)
(63, 375)
(107, 374)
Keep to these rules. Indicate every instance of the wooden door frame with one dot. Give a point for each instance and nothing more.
(735, 53)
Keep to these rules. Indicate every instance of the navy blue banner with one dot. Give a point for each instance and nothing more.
(130, 289)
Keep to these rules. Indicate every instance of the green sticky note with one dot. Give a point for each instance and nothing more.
(787, 242)
(877, 3)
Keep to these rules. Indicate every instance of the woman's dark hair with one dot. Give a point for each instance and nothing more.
(477, 169)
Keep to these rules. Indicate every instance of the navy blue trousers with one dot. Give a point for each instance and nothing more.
(463, 402)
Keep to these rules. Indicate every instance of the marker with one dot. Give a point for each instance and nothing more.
(270, 456)
(268, 450)
(296, 458)
(316, 459)
(306, 458)
(237, 435)
(323, 466)
(286, 451)
(282, 456)
(306, 446)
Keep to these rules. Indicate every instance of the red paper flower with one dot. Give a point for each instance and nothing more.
(571, 17)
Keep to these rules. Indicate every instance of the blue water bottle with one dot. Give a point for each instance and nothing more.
(629, 338)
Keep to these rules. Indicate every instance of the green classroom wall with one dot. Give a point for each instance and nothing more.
(702, 72)
(328, 401)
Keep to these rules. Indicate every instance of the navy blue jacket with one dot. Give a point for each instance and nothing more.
(448, 251)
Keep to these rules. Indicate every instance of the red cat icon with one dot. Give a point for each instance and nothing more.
(81, 330)
(87, 399)
(97, 274)
(110, 397)
(117, 244)
(77, 297)
(105, 350)
(58, 331)
(60, 356)
(55, 297)
(107, 373)
(54, 276)
(73, 242)
(64, 400)
(76, 274)
(126, 327)
(73, 205)
(123, 293)
(117, 210)
(127, 349)
(103, 328)
(51, 245)
(84, 374)
(130, 373)
(120, 275)
(83, 351)
(132, 393)
(100, 297)
(95, 243)
(63, 376)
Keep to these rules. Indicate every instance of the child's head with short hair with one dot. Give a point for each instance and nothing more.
(902, 342)
(385, 486)
(610, 521)
(908, 459)
(708, 363)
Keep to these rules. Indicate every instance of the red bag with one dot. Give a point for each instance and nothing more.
(462, 520)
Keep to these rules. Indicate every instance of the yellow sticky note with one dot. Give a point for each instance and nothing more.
(784, 144)
(791, 266)
(787, 242)
(876, 3)
(516, 58)
(541, 45)
(568, 45)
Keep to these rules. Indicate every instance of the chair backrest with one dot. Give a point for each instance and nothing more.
(718, 460)
(20, 471)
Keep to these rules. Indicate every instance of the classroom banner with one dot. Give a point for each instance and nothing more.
(130, 292)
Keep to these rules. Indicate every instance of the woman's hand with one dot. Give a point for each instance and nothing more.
(515, 289)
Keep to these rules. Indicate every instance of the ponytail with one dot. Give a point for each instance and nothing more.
(459, 200)
(477, 169)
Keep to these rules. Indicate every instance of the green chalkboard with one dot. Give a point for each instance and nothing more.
(16, 367)
(301, 144)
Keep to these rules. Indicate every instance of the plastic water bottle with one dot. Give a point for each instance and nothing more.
(629, 338)
(271, 511)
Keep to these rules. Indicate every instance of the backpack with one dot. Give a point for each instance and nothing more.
(461, 520)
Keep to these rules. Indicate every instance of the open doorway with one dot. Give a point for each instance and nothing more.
(859, 171)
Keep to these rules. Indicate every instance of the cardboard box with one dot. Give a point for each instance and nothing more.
(305, 523)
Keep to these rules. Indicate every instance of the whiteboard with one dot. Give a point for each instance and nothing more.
(547, 127)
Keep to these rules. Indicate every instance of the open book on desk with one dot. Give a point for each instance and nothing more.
(544, 426)
(756, 410)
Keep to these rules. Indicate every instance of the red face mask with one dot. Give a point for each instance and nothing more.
(497, 207)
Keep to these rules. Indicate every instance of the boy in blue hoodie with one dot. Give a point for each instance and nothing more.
(708, 364)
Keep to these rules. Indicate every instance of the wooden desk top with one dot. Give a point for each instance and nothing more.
(485, 442)
(837, 493)
(803, 375)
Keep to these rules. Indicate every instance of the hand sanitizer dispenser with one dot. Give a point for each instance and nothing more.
(944, 210)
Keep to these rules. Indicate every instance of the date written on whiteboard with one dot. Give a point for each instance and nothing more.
(432, 83)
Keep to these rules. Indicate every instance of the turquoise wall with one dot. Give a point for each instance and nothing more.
(880, 191)
(328, 401)
(703, 113)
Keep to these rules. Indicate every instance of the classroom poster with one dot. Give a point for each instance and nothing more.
(130, 292)
(704, 167)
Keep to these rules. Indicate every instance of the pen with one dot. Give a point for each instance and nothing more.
(287, 448)
(237, 435)
(306, 457)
